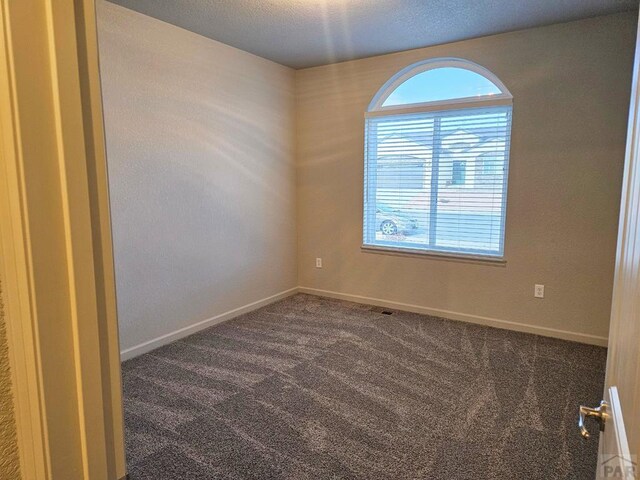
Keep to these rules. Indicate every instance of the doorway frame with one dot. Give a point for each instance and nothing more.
(56, 253)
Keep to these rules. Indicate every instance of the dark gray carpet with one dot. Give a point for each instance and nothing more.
(311, 388)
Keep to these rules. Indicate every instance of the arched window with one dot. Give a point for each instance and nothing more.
(437, 142)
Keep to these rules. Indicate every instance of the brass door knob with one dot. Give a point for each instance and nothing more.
(600, 413)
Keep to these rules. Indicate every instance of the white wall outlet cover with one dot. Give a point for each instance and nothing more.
(538, 291)
(318, 263)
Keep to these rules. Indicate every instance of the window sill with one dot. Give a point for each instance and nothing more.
(444, 256)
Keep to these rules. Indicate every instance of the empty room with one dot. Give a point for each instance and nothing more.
(319, 239)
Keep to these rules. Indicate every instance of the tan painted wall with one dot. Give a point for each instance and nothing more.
(200, 148)
(9, 461)
(571, 87)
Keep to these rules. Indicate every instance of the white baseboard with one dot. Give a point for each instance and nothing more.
(465, 317)
(196, 327)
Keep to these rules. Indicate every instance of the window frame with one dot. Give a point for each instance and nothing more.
(376, 109)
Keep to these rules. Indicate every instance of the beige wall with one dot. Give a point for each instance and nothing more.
(9, 462)
(571, 86)
(203, 186)
(200, 146)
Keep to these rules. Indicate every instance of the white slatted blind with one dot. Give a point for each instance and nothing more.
(437, 180)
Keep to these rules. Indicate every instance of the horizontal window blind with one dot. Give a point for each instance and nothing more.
(437, 181)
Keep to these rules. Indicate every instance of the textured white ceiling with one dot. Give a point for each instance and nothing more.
(305, 33)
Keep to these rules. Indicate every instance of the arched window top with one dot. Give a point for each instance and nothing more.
(439, 81)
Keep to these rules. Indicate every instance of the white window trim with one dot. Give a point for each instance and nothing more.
(375, 109)
(444, 255)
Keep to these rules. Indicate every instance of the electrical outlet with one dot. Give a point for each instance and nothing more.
(538, 291)
(318, 262)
